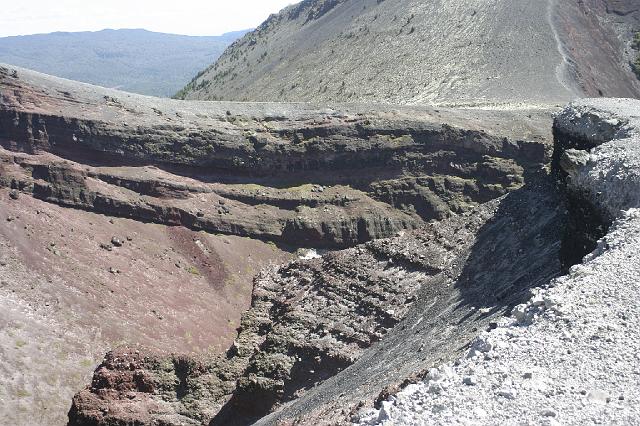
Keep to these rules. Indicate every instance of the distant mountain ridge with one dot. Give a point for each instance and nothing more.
(133, 60)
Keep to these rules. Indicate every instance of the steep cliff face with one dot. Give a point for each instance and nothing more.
(557, 338)
(287, 173)
(444, 52)
(597, 172)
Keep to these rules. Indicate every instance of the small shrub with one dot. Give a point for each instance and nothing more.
(22, 393)
(86, 363)
(272, 245)
(193, 270)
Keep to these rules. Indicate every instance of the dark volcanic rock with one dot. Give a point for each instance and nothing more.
(381, 170)
(595, 172)
(487, 262)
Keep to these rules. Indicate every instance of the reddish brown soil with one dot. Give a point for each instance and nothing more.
(168, 289)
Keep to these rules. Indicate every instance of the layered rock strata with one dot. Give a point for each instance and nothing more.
(288, 173)
(139, 221)
(310, 320)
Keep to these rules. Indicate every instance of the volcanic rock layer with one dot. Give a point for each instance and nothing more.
(286, 173)
(313, 318)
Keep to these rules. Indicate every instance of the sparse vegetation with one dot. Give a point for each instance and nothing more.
(191, 86)
(272, 245)
(21, 393)
(193, 271)
(86, 363)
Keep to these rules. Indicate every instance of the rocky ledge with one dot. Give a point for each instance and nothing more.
(296, 174)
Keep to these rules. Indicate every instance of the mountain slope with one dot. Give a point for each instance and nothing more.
(446, 51)
(138, 61)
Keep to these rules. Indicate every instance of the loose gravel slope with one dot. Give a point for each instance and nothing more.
(443, 52)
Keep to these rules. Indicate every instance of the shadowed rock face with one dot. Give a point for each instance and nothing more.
(596, 174)
(503, 249)
(551, 337)
(447, 52)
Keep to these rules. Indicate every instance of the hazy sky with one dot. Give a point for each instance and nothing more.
(192, 17)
